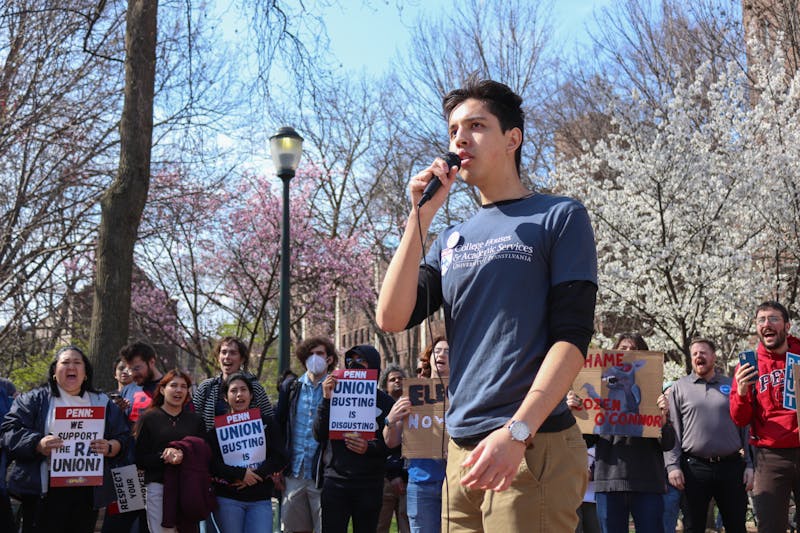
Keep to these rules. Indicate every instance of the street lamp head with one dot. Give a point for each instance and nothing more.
(286, 147)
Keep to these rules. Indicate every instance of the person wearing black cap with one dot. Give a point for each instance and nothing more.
(353, 468)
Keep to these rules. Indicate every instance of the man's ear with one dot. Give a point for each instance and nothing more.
(513, 139)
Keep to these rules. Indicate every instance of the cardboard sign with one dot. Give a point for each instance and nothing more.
(74, 464)
(424, 432)
(619, 390)
(129, 487)
(789, 393)
(241, 438)
(353, 404)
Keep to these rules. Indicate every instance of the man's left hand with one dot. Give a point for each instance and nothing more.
(494, 461)
(748, 479)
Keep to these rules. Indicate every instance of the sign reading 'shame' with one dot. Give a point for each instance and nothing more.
(619, 391)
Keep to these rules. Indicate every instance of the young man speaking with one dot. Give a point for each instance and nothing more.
(518, 282)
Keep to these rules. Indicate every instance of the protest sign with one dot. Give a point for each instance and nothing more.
(789, 393)
(353, 404)
(129, 487)
(796, 376)
(75, 464)
(619, 391)
(424, 432)
(241, 438)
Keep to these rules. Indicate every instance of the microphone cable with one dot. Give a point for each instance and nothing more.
(453, 161)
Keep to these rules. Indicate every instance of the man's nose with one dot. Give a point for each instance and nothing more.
(459, 138)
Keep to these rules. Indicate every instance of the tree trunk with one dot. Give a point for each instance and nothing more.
(122, 204)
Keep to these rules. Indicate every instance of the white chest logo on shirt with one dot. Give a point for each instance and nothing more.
(446, 255)
(453, 239)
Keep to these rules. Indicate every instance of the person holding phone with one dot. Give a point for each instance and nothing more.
(757, 401)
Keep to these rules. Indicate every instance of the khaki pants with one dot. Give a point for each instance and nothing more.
(544, 496)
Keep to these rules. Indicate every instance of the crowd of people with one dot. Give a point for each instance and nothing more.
(517, 283)
(160, 423)
(703, 451)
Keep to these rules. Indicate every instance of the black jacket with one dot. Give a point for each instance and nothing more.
(339, 462)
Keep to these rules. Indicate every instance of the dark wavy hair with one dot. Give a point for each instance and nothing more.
(303, 350)
(498, 98)
(382, 384)
(87, 384)
(138, 349)
(772, 304)
(637, 339)
(244, 351)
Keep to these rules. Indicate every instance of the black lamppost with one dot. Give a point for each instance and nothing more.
(286, 147)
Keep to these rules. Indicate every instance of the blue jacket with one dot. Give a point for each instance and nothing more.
(23, 428)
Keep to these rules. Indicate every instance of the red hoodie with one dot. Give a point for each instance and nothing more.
(771, 426)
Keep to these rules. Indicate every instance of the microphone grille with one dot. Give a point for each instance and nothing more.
(452, 160)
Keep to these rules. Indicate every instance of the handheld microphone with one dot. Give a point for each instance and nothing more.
(452, 160)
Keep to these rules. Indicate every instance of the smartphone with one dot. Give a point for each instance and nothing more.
(748, 356)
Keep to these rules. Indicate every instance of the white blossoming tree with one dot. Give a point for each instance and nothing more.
(695, 205)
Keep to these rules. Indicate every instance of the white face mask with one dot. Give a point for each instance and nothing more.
(316, 364)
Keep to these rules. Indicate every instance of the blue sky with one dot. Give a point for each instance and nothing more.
(367, 33)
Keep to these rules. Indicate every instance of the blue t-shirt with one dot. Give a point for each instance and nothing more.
(496, 270)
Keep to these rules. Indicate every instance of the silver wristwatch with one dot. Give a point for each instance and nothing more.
(520, 432)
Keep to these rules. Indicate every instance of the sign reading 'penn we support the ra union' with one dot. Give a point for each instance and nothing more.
(75, 464)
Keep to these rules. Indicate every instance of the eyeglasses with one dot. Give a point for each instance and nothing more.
(772, 319)
(355, 359)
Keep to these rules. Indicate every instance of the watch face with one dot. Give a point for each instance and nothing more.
(519, 431)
